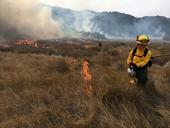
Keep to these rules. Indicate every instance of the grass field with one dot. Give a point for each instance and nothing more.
(43, 87)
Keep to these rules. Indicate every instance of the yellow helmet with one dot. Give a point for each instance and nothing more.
(142, 39)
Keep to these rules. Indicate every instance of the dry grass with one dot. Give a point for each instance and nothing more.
(42, 91)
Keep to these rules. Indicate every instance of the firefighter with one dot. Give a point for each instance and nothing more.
(100, 43)
(139, 59)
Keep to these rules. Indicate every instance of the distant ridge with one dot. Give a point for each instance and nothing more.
(110, 24)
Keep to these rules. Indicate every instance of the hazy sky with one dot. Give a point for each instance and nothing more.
(134, 7)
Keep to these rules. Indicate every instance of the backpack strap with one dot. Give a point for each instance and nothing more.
(151, 60)
(133, 53)
(145, 52)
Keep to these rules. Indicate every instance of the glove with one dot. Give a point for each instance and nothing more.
(131, 72)
(132, 66)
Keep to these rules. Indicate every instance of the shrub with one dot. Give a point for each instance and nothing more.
(104, 60)
(167, 72)
(60, 65)
(113, 52)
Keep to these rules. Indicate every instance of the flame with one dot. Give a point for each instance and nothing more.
(87, 78)
(132, 81)
(27, 42)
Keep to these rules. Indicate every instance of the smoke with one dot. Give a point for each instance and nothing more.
(109, 24)
(83, 21)
(117, 25)
(152, 27)
(73, 23)
(21, 19)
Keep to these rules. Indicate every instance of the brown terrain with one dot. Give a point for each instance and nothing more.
(41, 86)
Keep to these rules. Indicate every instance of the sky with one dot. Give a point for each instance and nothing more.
(136, 8)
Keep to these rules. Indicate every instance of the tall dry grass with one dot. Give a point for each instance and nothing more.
(42, 91)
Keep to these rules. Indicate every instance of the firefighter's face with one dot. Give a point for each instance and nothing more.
(142, 45)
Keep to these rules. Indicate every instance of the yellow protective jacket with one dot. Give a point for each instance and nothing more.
(139, 59)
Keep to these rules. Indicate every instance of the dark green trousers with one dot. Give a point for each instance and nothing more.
(141, 75)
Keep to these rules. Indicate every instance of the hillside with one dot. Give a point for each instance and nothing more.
(110, 24)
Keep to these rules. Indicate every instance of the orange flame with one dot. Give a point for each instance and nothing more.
(87, 78)
(27, 42)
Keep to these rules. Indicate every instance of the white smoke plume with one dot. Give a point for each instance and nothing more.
(21, 19)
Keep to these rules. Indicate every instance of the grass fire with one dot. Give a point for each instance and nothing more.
(87, 77)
